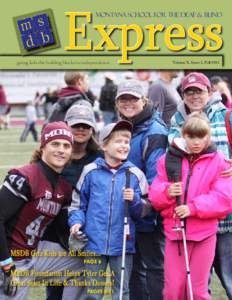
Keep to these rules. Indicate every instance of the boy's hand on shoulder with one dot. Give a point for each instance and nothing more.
(182, 211)
(128, 194)
(75, 228)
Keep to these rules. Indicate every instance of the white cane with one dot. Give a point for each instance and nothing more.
(178, 201)
(126, 232)
(186, 260)
(123, 258)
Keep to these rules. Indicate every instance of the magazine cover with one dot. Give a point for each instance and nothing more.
(115, 150)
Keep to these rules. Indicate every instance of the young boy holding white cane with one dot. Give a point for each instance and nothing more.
(98, 209)
(191, 170)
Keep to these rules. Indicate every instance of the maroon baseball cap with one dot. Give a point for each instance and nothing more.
(195, 79)
(56, 130)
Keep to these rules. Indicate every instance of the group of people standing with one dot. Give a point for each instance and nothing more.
(76, 180)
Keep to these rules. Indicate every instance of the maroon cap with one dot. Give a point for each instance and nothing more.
(56, 130)
(195, 79)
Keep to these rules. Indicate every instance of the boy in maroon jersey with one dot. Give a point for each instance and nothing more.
(30, 198)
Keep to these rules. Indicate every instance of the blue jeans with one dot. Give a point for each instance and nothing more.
(115, 263)
(30, 127)
(223, 261)
(109, 117)
(147, 278)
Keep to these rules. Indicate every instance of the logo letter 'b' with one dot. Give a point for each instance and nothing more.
(45, 38)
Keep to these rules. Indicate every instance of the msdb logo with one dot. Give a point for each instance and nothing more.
(36, 32)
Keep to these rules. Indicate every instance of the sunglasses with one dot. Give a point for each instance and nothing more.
(81, 125)
(194, 92)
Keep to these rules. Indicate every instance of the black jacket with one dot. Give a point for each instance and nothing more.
(107, 96)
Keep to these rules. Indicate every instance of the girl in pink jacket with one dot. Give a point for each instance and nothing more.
(191, 169)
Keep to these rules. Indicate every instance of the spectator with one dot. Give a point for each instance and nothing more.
(164, 95)
(76, 90)
(98, 208)
(196, 89)
(80, 119)
(30, 198)
(107, 99)
(221, 86)
(4, 109)
(30, 125)
(148, 143)
(48, 99)
(37, 103)
(204, 197)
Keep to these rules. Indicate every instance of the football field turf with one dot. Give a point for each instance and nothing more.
(14, 154)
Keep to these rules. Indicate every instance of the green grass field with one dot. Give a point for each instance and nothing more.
(13, 153)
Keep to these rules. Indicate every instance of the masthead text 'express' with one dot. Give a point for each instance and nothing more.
(194, 38)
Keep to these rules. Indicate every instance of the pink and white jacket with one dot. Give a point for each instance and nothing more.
(209, 195)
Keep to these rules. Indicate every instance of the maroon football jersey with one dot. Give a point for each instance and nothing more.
(43, 204)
